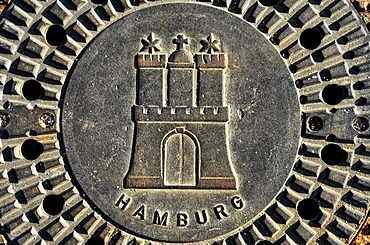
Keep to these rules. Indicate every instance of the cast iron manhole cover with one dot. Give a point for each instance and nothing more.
(202, 122)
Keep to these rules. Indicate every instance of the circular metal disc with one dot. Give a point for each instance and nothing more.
(198, 122)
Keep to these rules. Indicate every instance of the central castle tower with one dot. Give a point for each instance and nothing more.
(180, 116)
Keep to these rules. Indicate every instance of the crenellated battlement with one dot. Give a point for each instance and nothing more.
(151, 60)
(189, 114)
(204, 61)
(169, 88)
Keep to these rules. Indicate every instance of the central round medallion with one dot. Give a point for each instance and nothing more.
(180, 127)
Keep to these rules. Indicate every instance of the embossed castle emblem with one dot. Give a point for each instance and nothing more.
(180, 118)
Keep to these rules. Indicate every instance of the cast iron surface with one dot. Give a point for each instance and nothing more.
(93, 125)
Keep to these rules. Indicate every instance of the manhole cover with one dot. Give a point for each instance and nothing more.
(239, 122)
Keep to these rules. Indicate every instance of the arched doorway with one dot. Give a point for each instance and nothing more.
(180, 159)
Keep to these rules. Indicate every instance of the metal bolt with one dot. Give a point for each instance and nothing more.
(360, 124)
(315, 123)
(47, 120)
(4, 119)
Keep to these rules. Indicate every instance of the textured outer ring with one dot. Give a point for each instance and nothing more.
(341, 191)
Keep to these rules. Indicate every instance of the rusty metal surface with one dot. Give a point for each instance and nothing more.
(3, 240)
(4, 4)
(363, 7)
(363, 238)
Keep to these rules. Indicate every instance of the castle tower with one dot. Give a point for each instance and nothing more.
(177, 143)
(211, 66)
(181, 75)
(151, 72)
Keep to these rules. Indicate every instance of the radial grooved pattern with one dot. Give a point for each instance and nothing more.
(342, 190)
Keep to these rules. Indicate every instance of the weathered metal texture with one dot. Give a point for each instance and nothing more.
(3, 6)
(3, 241)
(30, 178)
(363, 7)
(363, 236)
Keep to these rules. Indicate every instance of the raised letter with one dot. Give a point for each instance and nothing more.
(123, 202)
(140, 212)
(204, 219)
(220, 211)
(237, 202)
(157, 220)
(182, 219)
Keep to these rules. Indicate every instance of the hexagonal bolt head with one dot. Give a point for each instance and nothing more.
(315, 123)
(360, 124)
(47, 120)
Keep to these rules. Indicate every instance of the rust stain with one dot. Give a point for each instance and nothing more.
(363, 237)
(3, 240)
(4, 4)
(363, 7)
